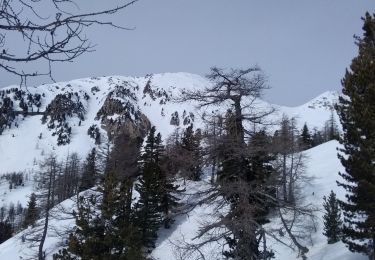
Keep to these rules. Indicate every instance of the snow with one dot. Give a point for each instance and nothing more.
(21, 148)
(323, 165)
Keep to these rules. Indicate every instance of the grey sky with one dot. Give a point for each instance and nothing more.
(302, 46)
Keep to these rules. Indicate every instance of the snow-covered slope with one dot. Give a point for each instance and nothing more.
(323, 166)
(150, 96)
(315, 112)
(29, 137)
(35, 139)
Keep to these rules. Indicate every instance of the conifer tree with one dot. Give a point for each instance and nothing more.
(332, 218)
(262, 170)
(105, 229)
(147, 208)
(357, 112)
(110, 198)
(87, 240)
(168, 191)
(190, 144)
(90, 171)
(333, 132)
(6, 231)
(127, 235)
(306, 137)
(317, 138)
(31, 212)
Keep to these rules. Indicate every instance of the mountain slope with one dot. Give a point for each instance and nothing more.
(102, 105)
(323, 166)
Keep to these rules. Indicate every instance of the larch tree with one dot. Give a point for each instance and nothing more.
(237, 90)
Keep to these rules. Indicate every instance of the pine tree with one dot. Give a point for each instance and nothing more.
(105, 228)
(317, 138)
(306, 137)
(127, 236)
(93, 237)
(31, 212)
(87, 240)
(90, 171)
(147, 208)
(110, 198)
(357, 112)
(333, 132)
(168, 191)
(332, 218)
(190, 144)
(6, 231)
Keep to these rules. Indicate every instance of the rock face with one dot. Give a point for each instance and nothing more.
(104, 106)
(118, 116)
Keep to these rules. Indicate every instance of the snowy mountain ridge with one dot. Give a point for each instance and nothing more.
(48, 111)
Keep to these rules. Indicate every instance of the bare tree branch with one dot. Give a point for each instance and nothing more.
(59, 37)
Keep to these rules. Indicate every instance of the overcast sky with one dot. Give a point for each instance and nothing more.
(302, 46)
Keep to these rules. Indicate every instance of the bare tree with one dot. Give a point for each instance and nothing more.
(56, 36)
(296, 217)
(238, 89)
(50, 169)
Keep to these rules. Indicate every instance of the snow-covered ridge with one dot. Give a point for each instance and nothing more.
(39, 118)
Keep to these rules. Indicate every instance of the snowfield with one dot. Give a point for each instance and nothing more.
(21, 148)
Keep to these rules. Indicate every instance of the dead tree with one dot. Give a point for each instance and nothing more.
(56, 36)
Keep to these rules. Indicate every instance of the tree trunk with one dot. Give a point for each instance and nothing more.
(291, 182)
(285, 193)
(50, 195)
(239, 127)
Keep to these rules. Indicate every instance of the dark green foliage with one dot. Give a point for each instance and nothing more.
(6, 231)
(111, 235)
(306, 139)
(168, 196)
(332, 219)
(88, 239)
(127, 241)
(261, 169)
(90, 171)
(31, 212)
(357, 115)
(317, 138)
(333, 132)
(168, 200)
(94, 133)
(148, 212)
(64, 254)
(105, 225)
(190, 145)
